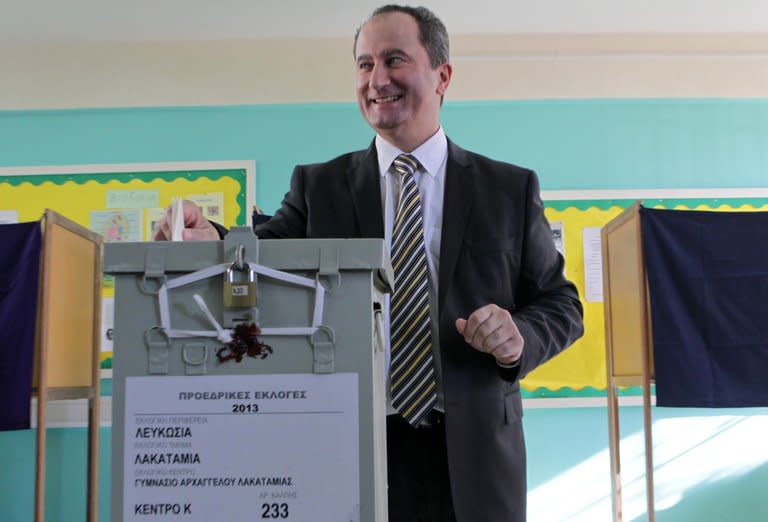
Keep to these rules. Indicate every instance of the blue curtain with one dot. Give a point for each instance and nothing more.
(708, 283)
(19, 268)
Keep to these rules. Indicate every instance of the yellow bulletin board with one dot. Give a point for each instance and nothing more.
(580, 371)
(122, 202)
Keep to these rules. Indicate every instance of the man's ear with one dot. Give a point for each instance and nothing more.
(445, 72)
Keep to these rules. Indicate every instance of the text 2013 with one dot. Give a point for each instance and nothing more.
(245, 408)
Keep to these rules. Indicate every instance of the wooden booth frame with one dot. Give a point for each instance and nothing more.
(628, 339)
(67, 339)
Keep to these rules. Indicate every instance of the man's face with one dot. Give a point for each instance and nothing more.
(397, 89)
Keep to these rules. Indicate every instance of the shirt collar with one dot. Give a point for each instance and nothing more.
(431, 154)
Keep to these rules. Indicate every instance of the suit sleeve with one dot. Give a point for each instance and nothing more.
(290, 221)
(548, 314)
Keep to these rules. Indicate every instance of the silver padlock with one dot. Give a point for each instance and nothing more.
(239, 294)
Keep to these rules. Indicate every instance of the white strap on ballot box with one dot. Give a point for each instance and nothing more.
(223, 334)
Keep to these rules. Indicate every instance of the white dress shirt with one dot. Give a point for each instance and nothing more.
(430, 178)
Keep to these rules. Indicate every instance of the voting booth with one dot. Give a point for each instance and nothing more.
(686, 296)
(248, 379)
(50, 291)
(628, 340)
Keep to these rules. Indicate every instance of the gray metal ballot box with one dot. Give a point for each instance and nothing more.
(271, 407)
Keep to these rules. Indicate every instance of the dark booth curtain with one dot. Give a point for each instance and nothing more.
(19, 267)
(708, 282)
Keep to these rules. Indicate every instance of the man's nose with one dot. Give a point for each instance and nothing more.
(379, 76)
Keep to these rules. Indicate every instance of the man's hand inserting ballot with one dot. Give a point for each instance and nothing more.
(196, 227)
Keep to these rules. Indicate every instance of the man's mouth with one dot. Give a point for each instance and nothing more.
(386, 99)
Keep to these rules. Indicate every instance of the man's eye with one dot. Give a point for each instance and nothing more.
(365, 66)
(394, 60)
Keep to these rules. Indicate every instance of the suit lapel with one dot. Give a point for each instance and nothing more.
(365, 187)
(457, 202)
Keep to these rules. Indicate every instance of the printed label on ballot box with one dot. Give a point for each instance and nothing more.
(242, 447)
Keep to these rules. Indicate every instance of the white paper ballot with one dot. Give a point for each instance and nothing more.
(177, 220)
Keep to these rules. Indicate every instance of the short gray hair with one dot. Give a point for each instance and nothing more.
(432, 32)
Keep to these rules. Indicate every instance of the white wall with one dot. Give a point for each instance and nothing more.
(501, 66)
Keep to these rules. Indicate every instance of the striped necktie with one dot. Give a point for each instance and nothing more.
(412, 369)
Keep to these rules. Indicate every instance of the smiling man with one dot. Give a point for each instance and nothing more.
(480, 298)
(399, 85)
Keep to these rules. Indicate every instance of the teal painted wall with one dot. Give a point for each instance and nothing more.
(568, 467)
(65, 485)
(577, 144)
(573, 144)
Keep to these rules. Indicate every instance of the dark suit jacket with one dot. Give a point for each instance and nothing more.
(496, 247)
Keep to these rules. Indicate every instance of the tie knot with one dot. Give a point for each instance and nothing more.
(405, 164)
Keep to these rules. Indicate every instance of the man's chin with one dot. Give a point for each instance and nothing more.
(381, 124)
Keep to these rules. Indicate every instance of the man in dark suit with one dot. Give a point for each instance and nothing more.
(499, 305)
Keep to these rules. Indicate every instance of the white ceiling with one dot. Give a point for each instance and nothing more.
(36, 21)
